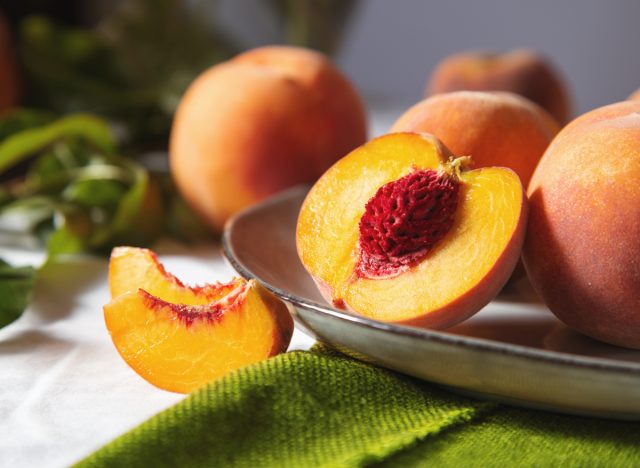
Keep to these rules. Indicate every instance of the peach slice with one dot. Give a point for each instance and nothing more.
(401, 231)
(181, 346)
(131, 268)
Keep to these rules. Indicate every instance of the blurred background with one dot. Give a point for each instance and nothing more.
(127, 62)
(390, 48)
(387, 48)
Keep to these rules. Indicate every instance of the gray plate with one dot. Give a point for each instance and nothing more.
(514, 350)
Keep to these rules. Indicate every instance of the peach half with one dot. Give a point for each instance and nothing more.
(401, 231)
(179, 338)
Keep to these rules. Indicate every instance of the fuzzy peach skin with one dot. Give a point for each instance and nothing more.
(266, 120)
(459, 275)
(635, 96)
(582, 251)
(494, 128)
(521, 71)
(9, 81)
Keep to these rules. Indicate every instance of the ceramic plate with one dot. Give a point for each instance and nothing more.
(514, 350)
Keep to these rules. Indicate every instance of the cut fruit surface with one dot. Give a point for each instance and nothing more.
(180, 348)
(460, 273)
(178, 337)
(132, 268)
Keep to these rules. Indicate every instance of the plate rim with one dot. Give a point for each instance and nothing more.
(441, 336)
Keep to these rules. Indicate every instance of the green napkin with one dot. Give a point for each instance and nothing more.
(320, 408)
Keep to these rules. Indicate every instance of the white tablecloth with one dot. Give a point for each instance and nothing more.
(64, 390)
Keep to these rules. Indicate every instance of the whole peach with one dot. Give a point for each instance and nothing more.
(582, 251)
(495, 129)
(519, 71)
(266, 120)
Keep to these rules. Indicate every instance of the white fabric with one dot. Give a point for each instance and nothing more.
(64, 390)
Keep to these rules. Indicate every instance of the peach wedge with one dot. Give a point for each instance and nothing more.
(131, 268)
(182, 345)
(400, 230)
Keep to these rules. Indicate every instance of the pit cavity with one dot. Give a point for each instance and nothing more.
(405, 220)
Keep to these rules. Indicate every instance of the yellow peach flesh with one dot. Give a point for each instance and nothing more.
(492, 210)
(153, 338)
(131, 268)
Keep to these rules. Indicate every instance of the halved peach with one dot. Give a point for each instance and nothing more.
(401, 231)
(180, 346)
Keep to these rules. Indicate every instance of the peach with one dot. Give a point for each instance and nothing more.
(401, 231)
(582, 245)
(179, 338)
(9, 81)
(131, 268)
(521, 71)
(266, 120)
(494, 128)
(635, 96)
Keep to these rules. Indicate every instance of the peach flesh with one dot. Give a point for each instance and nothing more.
(439, 291)
(188, 314)
(132, 267)
(181, 337)
(180, 347)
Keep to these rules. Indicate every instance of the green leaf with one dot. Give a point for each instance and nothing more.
(96, 193)
(16, 286)
(22, 119)
(64, 241)
(133, 66)
(139, 219)
(48, 164)
(90, 128)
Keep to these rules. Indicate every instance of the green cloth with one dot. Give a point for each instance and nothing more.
(321, 408)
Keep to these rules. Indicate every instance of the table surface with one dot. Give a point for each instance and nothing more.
(64, 390)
